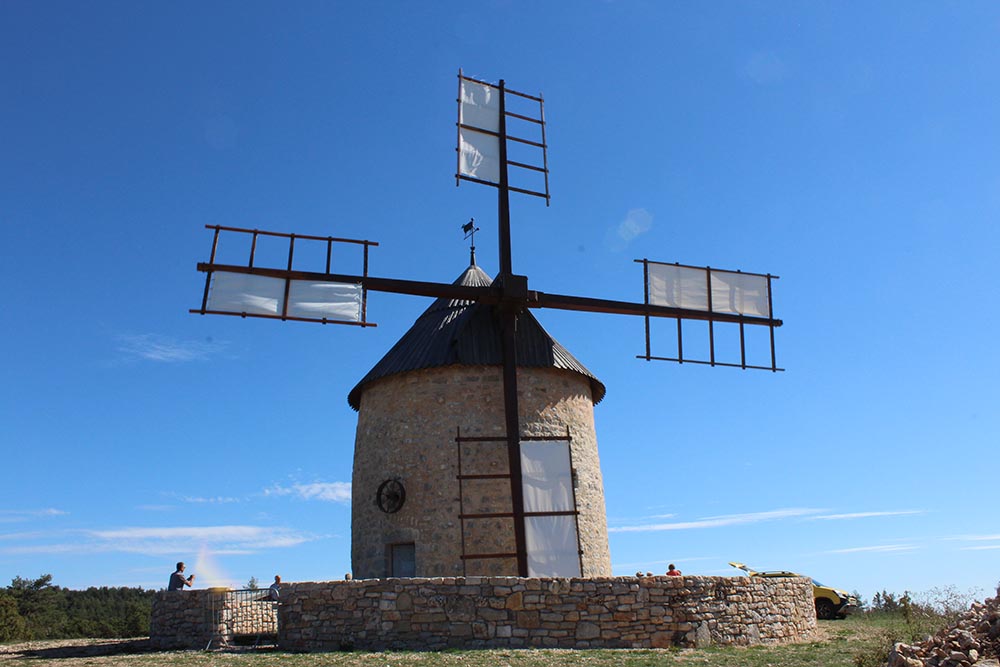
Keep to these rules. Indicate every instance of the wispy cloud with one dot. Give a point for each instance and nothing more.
(337, 492)
(210, 500)
(975, 538)
(721, 521)
(230, 539)
(33, 535)
(223, 539)
(153, 347)
(864, 515)
(981, 547)
(880, 548)
(12, 516)
(81, 547)
(647, 518)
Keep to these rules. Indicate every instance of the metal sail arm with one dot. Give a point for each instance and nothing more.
(492, 295)
(371, 283)
(591, 305)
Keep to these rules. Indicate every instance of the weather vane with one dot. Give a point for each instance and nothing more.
(470, 230)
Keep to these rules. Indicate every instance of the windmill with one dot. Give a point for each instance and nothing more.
(541, 511)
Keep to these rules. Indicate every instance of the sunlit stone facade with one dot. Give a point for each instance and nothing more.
(407, 427)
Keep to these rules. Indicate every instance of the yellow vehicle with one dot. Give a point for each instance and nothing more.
(830, 602)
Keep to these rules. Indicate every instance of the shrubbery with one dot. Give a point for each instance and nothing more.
(910, 619)
(35, 609)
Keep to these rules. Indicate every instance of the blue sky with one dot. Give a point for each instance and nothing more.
(849, 148)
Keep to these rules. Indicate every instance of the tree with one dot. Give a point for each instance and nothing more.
(11, 623)
(108, 612)
(253, 584)
(35, 609)
(41, 605)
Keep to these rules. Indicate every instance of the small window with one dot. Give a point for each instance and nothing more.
(402, 560)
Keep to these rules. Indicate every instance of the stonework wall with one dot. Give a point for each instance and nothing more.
(251, 616)
(407, 425)
(182, 619)
(193, 618)
(509, 612)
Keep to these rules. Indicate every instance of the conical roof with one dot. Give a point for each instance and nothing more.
(457, 331)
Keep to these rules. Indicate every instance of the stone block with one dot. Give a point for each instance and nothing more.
(528, 619)
(587, 630)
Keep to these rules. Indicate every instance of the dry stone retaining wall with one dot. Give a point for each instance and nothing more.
(182, 619)
(510, 612)
(194, 618)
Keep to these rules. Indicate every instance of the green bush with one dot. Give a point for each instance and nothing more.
(11, 623)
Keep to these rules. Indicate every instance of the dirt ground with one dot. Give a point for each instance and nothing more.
(73, 648)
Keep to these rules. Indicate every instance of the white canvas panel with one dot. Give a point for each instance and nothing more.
(479, 156)
(318, 300)
(739, 293)
(546, 476)
(678, 286)
(480, 106)
(245, 293)
(552, 546)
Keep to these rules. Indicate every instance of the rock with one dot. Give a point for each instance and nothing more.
(587, 630)
(975, 635)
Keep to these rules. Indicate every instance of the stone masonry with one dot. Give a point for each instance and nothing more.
(194, 618)
(407, 425)
(510, 612)
(182, 619)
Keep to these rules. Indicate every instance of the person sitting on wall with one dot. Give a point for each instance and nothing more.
(673, 571)
(177, 580)
(274, 590)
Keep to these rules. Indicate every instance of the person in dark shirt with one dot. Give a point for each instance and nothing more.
(177, 580)
(274, 590)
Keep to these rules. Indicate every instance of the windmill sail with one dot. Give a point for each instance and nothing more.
(240, 293)
(478, 131)
(709, 290)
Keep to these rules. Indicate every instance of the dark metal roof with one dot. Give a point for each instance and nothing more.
(455, 331)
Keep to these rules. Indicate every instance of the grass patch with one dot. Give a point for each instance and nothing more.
(859, 641)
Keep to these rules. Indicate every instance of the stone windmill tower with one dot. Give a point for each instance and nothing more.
(429, 482)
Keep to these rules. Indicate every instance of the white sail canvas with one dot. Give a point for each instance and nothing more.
(688, 287)
(479, 152)
(547, 483)
(240, 293)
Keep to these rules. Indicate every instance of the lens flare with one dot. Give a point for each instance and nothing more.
(208, 573)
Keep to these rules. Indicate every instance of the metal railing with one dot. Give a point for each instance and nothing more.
(242, 616)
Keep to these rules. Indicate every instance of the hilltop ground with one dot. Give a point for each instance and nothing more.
(861, 641)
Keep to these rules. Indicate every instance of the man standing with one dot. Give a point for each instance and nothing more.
(274, 590)
(177, 580)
